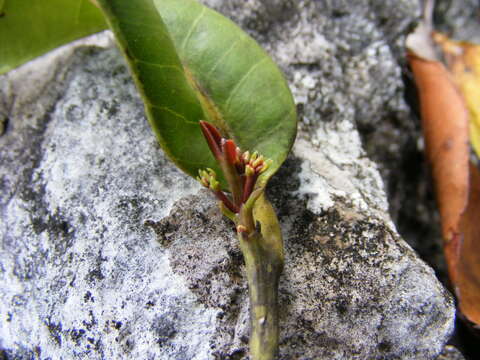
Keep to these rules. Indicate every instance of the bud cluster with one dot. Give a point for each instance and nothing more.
(240, 169)
(208, 178)
(253, 164)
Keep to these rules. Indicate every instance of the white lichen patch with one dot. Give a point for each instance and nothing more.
(337, 168)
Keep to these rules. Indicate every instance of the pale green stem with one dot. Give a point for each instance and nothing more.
(263, 253)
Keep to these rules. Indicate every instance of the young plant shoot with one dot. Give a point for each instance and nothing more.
(258, 233)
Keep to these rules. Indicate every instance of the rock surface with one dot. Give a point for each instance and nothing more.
(108, 252)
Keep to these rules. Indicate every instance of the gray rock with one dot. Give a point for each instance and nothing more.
(458, 19)
(108, 251)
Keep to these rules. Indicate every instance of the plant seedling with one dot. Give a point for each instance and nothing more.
(262, 250)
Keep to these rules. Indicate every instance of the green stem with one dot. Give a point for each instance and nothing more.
(263, 253)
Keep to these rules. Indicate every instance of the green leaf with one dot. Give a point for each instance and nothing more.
(190, 64)
(29, 28)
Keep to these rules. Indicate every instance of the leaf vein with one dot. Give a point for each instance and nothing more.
(220, 59)
(242, 80)
(190, 31)
(166, 109)
(160, 66)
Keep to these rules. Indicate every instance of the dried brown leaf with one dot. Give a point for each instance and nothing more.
(467, 285)
(449, 105)
(445, 128)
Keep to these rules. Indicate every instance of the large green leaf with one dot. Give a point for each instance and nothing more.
(190, 64)
(29, 28)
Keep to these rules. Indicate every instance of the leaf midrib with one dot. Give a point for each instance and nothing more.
(209, 107)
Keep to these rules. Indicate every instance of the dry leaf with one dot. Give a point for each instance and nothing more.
(467, 285)
(450, 110)
(445, 128)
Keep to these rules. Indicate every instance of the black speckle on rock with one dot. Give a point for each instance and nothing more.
(164, 328)
(164, 230)
(55, 330)
(38, 351)
(20, 353)
(119, 70)
(384, 346)
(111, 108)
(132, 207)
(74, 113)
(125, 337)
(95, 274)
(342, 306)
(19, 300)
(24, 268)
(88, 297)
(77, 335)
(130, 344)
(3, 124)
(338, 13)
(117, 324)
(89, 324)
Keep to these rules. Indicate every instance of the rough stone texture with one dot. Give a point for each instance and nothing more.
(459, 19)
(86, 193)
